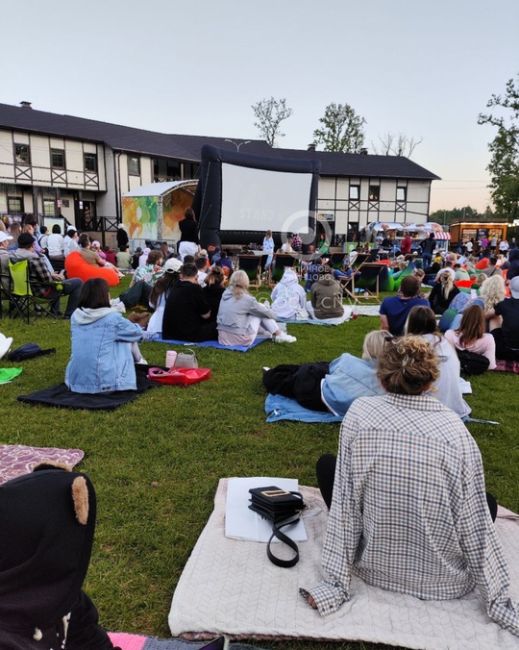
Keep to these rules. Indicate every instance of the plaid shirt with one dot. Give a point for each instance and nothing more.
(409, 511)
(40, 278)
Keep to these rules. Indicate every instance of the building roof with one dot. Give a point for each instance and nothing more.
(158, 189)
(187, 147)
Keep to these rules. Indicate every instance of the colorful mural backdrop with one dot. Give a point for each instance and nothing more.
(140, 216)
(173, 207)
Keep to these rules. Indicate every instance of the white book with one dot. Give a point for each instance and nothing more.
(242, 523)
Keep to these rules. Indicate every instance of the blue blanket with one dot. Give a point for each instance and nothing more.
(278, 408)
(213, 344)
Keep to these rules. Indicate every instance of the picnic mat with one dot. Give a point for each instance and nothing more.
(137, 642)
(16, 460)
(316, 321)
(213, 344)
(278, 407)
(507, 366)
(367, 310)
(62, 397)
(229, 586)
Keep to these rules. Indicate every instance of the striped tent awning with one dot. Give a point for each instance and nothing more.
(442, 235)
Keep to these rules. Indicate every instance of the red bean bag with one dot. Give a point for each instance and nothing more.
(77, 267)
(482, 264)
(464, 284)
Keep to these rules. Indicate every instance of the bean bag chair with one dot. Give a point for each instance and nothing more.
(387, 283)
(482, 264)
(400, 275)
(77, 267)
(465, 284)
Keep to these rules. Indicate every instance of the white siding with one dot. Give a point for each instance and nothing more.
(146, 170)
(6, 156)
(74, 158)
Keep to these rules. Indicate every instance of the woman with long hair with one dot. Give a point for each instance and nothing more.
(443, 291)
(471, 335)
(422, 322)
(159, 294)
(213, 290)
(241, 318)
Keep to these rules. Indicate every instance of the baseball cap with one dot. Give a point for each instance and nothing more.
(4, 237)
(173, 265)
(514, 286)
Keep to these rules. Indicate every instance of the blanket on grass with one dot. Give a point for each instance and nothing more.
(16, 460)
(229, 586)
(316, 321)
(62, 397)
(213, 344)
(278, 407)
(507, 366)
(138, 642)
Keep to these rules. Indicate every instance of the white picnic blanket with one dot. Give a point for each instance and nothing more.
(229, 586)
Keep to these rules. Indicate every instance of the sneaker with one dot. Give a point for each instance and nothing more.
(142, 362)
(284, 338)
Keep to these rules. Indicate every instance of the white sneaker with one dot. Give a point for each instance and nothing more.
(284, 338)
(142, 362)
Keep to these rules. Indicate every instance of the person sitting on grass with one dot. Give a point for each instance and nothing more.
(288, 297)
(187, 313)
(104, 344)
(241, 318)
(142, 282)
(332, 387)
(326, 300)
(395, 309)
(213, 290)
(443, 291)
(506, 335)
(47, 518)
(407, 463)
(471, 335)
(159, 295)
(422, 322)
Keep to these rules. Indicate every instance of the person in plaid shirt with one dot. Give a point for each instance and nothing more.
(42, 280)
(409, 512)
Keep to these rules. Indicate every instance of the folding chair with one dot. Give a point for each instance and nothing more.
(21, 296)
(369, 279)
(251, 264)
(5, 284)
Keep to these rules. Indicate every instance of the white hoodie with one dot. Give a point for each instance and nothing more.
(289, 297)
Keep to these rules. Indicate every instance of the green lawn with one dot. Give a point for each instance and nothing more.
(156, 462)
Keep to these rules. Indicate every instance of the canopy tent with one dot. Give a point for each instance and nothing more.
(152, 212)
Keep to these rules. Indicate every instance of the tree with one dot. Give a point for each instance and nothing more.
(269, 114)
(342, 129)
(504, 149)
(396, 145)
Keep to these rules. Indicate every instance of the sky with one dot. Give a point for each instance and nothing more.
(423, 69)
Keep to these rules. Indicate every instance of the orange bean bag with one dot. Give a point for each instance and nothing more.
(483, 263)
(465, 284)
(77, 267)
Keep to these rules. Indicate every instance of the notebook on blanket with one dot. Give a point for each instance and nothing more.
(213, 344)
(229, 586)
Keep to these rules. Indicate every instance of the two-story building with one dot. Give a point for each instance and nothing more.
(54, 165)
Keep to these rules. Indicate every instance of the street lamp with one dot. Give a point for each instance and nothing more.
(237, 144)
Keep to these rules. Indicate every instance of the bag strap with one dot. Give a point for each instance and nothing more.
(276, 532)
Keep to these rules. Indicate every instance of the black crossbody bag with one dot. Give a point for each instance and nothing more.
(282, 508)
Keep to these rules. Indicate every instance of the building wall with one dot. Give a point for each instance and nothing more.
(339, 207)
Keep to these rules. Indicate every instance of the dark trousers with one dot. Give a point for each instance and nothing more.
(72, 289)
(502, 350)
(139, 294)
(325, 470)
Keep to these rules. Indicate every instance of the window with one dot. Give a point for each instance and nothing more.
(57, 158)
(49, 207)
(374, 193)
(401, 194)
(22, 154)
(134, 166)
(15, 204)
(354, 192)
(90, 162)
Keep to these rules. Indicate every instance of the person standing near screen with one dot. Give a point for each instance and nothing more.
(268, 248)
(189, 241)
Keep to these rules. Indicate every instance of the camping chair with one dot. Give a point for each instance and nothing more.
(21, 296)
(280, 261)
(369, 279)
(251, 264)
(5, 286)
(336, 260)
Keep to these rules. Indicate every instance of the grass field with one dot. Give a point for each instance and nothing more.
(156, 462)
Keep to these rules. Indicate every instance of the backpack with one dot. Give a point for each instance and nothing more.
(28, 351)
(472, 363)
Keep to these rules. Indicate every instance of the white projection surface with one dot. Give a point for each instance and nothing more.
(261, 199)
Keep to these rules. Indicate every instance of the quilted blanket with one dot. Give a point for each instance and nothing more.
(229, 586)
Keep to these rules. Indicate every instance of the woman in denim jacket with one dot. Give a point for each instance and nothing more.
(104, 344)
